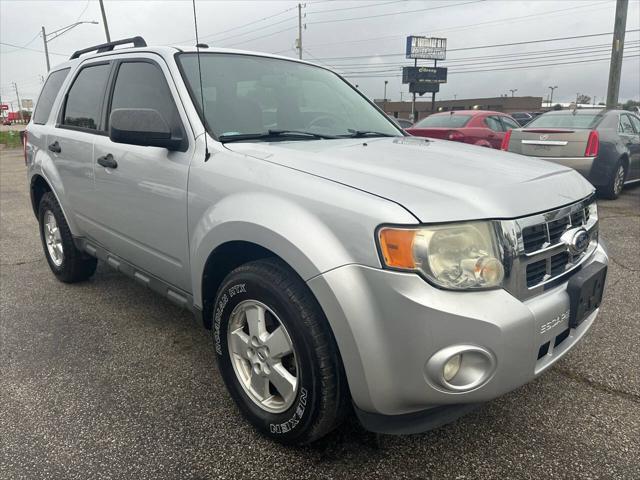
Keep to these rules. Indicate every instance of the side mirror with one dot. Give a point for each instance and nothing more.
(141, 126)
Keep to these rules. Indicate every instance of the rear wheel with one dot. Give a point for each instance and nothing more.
(614, 187)
(276, 353)
(67, 263)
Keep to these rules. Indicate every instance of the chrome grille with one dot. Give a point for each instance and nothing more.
(535, 254)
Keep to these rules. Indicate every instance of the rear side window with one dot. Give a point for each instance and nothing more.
(444, 121)
(48, 95)
(625, 125)
(84, 100)
(636, 123)
(493, 123)
(509, 123)
(143, 85)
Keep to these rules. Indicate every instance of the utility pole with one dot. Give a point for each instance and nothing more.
(433, 94)
(414, 119)
(617, 50)
(15, 86)
(551, 98)
(400, 96)
(46, 49)
(104, 21)
(299, 31)
(384, 97)
(513, 90)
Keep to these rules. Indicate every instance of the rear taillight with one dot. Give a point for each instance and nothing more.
(24, 145)
(505, 140)
(593, 144)
(455, 136)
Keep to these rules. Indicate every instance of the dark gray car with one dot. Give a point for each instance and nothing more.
(603, 145)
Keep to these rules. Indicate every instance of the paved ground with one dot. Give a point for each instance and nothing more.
(107, 380)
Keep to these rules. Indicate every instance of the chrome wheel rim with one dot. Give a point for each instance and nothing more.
(619, 181)
(52, 238)
(263, 356)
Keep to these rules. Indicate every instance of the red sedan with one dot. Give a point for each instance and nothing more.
(477, 127)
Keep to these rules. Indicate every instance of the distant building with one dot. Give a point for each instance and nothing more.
(498, 104)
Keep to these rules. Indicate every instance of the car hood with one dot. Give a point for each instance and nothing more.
(437, 181)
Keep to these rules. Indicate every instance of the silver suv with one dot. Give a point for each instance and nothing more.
(341, 264)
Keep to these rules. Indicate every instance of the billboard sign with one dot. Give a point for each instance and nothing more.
(27, 103)
(4, 106)
(424, 75)
(426, 48)
(422, 88)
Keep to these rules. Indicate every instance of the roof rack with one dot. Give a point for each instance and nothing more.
(107, 47)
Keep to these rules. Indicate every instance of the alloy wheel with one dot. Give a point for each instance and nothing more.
(263, 356)
(619, 180)
(53, 239)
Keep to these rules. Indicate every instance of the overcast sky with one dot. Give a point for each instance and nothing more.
(336, 29)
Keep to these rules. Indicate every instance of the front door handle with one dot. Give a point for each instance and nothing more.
(55, 147)
(108, 161)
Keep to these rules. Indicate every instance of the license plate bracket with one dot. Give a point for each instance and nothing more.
(585, 291)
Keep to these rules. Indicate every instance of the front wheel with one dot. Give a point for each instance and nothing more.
(277, 354)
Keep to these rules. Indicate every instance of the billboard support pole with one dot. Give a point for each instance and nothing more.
(413, 102)
(433, 94)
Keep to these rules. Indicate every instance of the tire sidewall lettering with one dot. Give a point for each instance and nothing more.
(231, 292)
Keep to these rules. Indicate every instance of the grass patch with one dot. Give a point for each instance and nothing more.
(11, 139)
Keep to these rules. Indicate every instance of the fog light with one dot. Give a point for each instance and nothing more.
(452, 367)
(460, 368)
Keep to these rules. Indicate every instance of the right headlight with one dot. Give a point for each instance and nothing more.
(459, 256)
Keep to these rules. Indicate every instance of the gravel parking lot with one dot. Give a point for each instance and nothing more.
(105, 379)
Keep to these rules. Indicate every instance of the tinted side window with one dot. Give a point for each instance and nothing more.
(508, 123)
(84, 100)
(625, 125)
(48, 95)
(143, 85)
(493, 123)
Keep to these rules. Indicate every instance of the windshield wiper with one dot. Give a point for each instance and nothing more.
(367, 133)
(300, 134)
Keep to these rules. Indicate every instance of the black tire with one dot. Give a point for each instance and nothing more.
(75, 265)
(321, 399)
(613, 188)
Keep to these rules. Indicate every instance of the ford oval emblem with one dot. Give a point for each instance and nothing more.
(580, 241)
(577, 240)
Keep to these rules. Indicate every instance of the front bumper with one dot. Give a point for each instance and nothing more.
(389, 324)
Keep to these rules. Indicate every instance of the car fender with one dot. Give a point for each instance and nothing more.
(293, 233)
(44, 166)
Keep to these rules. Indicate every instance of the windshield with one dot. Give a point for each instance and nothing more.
(444, 121)
(565, 120)
(250, 95)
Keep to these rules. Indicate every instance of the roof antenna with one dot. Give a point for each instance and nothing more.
(204, 120)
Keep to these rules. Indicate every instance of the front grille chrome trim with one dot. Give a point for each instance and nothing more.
(516, 259)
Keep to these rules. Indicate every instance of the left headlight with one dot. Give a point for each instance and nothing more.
(455, 256)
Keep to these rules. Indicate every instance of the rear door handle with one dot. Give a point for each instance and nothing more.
(108, 161)
(55, 147)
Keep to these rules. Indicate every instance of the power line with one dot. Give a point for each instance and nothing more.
(394, 13)
(556, 39)
(261, 36)
(496, 69)
(353, 8)
(253, 22)
(32, 49)
(466, 26)
(599, 51)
